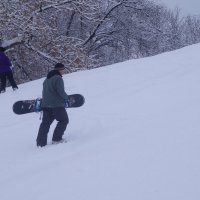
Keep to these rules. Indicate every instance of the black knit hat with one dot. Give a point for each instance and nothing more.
(59, 66)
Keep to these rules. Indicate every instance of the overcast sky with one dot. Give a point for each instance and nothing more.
(186, 6)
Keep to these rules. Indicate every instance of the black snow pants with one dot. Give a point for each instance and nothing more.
(49, 115)
(8, 75)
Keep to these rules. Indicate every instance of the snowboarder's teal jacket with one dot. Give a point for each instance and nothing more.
(53, 94)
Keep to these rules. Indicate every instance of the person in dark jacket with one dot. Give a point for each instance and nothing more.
(54, 98)
(6, 71)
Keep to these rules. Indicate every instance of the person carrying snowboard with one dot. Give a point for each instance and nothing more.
(6, 71)
(54, 99)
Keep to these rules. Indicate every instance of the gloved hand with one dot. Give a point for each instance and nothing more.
(69, 102)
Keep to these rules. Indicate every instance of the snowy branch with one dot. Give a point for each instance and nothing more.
(12, 42)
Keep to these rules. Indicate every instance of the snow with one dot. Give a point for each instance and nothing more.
(136, 137)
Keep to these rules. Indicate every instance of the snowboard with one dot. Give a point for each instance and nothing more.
(30, 106)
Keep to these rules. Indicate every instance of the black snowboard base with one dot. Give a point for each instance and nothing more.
(30, 106)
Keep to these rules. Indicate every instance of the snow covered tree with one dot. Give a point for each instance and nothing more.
(86, 33)
(44, 32)
(191, 30)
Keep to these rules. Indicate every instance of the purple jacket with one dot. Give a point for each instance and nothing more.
(5, 63)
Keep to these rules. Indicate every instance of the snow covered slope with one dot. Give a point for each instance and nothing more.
(136, 137)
